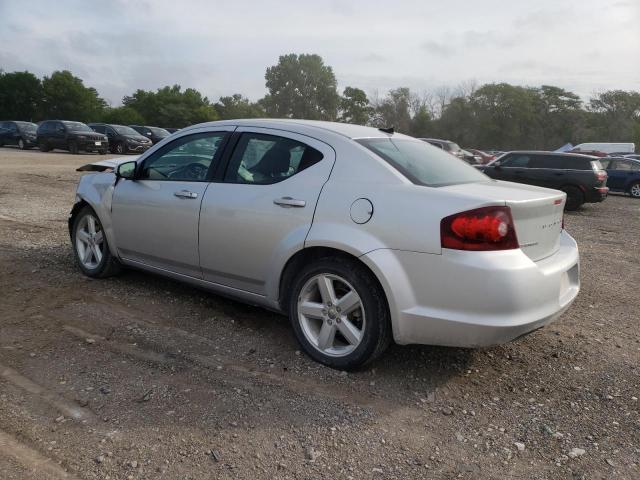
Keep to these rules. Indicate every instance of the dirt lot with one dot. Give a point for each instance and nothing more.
(143, 378)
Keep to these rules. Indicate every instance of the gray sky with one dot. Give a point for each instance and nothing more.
(224, 47)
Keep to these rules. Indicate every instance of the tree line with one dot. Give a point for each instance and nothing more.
(491, 116)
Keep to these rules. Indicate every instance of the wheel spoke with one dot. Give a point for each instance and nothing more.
(311, 309)
(348, 302)
(326, 336)
(99, 237)
(91, 224)
(96, 253)
(349, 331)
(86, 255)
(325, 285)
(83, 236)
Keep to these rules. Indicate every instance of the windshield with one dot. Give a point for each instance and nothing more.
(422, 163)
(160, 132)
(77, 127)
(27, 127)
(122, 130)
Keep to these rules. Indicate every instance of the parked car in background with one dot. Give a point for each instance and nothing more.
(482, 158)
(633, 156)
(122, 139)
(72, 136)
(593, 153)
(353, 268)
(446, 145)
(581, 177)
(22, 134)
(624, 175)
(172, 130)
(155, 134)
(606, 147)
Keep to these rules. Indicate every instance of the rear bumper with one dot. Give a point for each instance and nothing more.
(475, 299)
(597, 194)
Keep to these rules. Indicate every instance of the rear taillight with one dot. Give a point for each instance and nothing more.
(601, 175)
(488, 228)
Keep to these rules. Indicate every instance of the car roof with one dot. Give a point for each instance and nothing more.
(344, 129)
(554, 154)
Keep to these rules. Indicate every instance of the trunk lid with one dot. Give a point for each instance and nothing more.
(537, 212)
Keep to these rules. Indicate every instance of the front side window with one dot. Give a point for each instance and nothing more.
(186, 159)
(627, 166)
(516, 161)
(423, 164)
(265, 159)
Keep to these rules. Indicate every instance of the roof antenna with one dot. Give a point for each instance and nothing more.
(388, 130)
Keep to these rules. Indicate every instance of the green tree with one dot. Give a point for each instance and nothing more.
(301, 86)
(20, 96)
(123, 116)
(395, 110)
(238, 106)
(558, 115)
(172, 107)
(355, 107)
(421, 125)
(66, 97)
(617, 115)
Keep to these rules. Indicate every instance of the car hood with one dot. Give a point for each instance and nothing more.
(103, 165)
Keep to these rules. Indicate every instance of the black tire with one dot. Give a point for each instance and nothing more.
(22, 145)
(102, 151)
(575, 197)
(634, 189)
(120, 148)
(108, 266)
(44, 147)
(73, 147)
(377, 332)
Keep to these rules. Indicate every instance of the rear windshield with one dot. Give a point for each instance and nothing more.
(422, 163)
(160, 132)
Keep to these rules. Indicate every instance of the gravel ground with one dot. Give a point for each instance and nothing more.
(139, 377)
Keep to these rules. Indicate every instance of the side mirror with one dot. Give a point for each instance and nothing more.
(126, 170)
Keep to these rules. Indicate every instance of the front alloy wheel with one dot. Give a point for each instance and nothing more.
(339, 313)
(635, 190)
(90, 246)
(21, 144)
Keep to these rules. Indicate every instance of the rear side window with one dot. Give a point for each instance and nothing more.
(265, 159)
(575, 163)
(423, 164)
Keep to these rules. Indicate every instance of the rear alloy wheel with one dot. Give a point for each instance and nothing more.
(339, 314)
(634, 190)
(121, 148)
(575, 197)
(90, 246)
(73, 147)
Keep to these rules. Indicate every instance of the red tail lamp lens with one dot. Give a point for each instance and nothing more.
(489, 228)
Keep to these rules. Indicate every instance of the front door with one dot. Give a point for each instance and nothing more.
(263, 207)
(155, 217)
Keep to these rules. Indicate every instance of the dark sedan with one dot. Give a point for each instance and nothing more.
(22, 134)
(155, 134)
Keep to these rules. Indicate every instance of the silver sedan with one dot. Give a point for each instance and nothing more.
(362, 236)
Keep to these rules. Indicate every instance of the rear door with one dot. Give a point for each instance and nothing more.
(513, 168)
(621, 173)
(155, 217)
(262, 209)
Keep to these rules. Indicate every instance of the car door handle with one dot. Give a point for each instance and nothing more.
(186, 194)
(288, 202)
